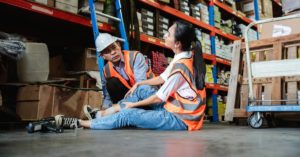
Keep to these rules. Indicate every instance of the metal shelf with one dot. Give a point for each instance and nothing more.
(55, 13)
(187, 18)
(152, 40)
(231, 11)
(223, 61)
(221, 87)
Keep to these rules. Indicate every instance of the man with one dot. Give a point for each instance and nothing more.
(122, 70)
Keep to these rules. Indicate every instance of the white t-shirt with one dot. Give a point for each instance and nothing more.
(175, 83)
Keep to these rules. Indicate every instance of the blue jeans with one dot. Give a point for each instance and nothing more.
(156, 118)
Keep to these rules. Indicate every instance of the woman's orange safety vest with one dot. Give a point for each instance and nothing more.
(129, 58)
(191, 112)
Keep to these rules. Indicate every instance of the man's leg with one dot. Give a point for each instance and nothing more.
(148, 119)
(116, 89)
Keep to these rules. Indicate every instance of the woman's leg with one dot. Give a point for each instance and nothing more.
(85, 123)
(141, 93)
(148, 119)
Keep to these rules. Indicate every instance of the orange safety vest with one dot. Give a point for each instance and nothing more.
(129, 58)
(191, 112)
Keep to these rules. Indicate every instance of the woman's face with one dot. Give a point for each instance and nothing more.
(170, 37)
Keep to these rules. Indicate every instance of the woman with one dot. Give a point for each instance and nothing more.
(180, 102)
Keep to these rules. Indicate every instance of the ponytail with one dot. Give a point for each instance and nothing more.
(185, 33)
(199, 65)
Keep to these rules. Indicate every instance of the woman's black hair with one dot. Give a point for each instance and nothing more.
(185, 34)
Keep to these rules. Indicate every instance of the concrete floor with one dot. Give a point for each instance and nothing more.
(213, 140)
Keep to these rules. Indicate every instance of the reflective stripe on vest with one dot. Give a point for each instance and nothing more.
(189, 111)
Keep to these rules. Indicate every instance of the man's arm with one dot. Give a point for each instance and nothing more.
(106, 98)
(140, 68)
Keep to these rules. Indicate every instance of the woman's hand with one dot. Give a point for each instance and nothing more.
(132, 89)
(129, 104)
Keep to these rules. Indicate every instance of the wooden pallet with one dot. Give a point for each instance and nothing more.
(275, 88)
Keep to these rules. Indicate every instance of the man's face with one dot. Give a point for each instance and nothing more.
(112, 53)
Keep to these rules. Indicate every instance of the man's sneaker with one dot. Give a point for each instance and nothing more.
(66, 122)
(89, 112)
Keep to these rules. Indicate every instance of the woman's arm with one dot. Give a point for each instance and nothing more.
(146, 102)
(153, 82)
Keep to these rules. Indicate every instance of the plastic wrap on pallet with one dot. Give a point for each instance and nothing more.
(290, 5)
(12, 46)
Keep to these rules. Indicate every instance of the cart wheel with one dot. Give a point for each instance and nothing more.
(255, 120)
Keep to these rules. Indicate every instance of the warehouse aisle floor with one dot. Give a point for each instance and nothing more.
(213, 140)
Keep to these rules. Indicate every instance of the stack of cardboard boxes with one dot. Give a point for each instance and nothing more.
(67, 5)
(196, 12)
(147, 18)
(184, 7)
(162, 26)
(204, 38)
(226, 26)
(39, 101)
(50, 3)
(206, 43)
(264, 6)
(222, 50)
(203, 13)
(99, 7)
(217, 19)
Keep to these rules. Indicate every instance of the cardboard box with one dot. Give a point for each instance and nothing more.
(35, 102)
(57, 68)
(50, 3)
(148, 26)
(73, 3)
(90, 60)
(147, 13)
(87, 61)
(99, 6)
(148, 32)
(70, 102)
(163, 20)
(279, 28)
(147, 20)
(66, 7)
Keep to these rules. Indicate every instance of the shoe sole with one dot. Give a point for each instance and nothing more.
(87, 114)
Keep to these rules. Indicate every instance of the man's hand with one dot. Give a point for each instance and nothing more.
(132, 89)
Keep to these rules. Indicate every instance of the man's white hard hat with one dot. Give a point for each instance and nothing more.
(104, 40)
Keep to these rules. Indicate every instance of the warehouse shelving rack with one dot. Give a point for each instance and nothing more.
(80, 20)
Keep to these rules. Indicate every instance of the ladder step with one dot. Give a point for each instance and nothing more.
(120, 39)
(108, 16)
(87, 10)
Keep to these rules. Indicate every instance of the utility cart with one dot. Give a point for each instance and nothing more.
(282, 68)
